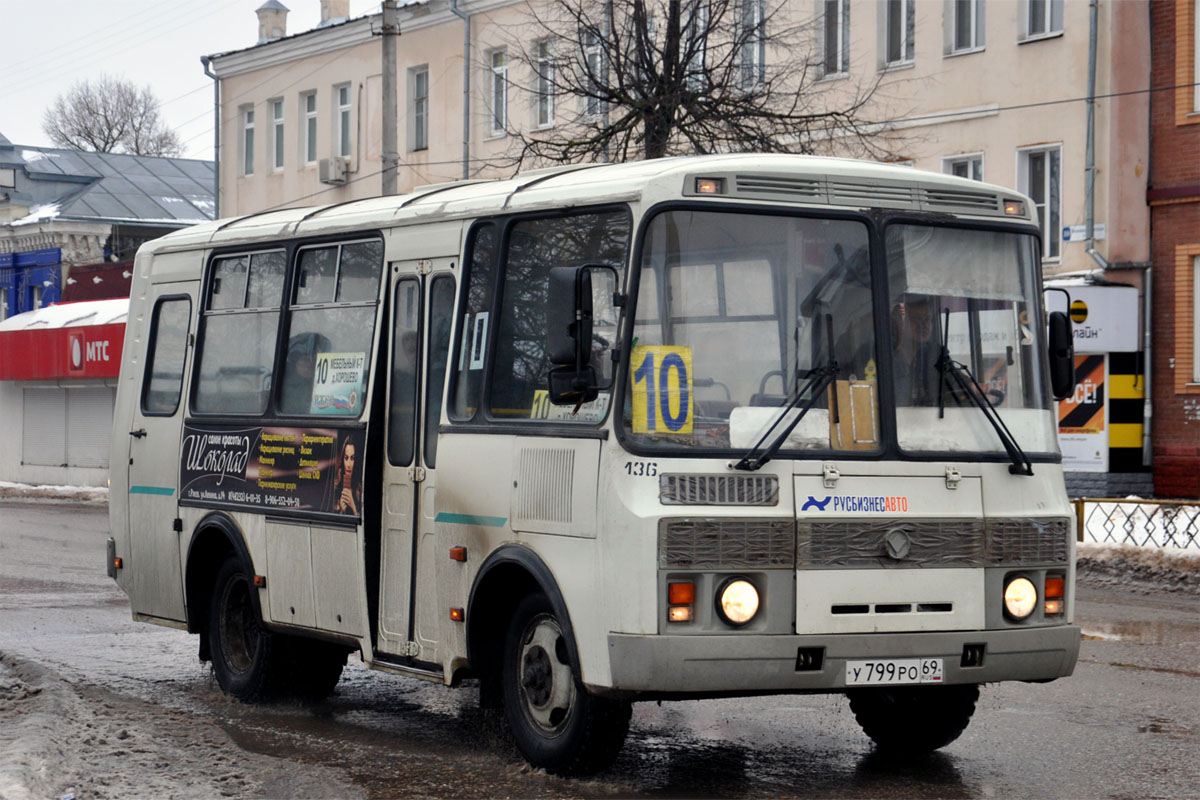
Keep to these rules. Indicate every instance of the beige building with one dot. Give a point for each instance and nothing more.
(990, 89)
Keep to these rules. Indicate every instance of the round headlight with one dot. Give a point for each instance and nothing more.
(1020, 598)
(737, 601)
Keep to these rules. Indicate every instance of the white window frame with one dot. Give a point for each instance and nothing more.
(277, 134)
(841, 14)
(1048, 14)
(497, 96)
(543, 116)
(343, 120)
(247, 141)
(752, 42)
(418, 108)
(906, 11)
(973, 162)
(1049, 217)
(976, 18)
(308, 128)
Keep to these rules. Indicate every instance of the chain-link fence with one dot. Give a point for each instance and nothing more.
(1145, 523)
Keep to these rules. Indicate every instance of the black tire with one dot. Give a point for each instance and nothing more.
(244, 653)
(913, 720)
(557, 725)
(313, 668)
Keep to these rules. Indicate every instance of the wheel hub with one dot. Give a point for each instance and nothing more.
(537, 676)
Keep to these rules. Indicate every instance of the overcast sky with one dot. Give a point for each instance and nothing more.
(49, 46)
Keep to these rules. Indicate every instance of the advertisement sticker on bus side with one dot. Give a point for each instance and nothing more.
(274, 469)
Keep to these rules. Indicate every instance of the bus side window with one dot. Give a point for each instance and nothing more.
(441, 314)
(472, 336)
(163, 383)
(522, 364)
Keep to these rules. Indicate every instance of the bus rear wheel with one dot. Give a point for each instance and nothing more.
(912, 720)
(243, 651)
(557, 725)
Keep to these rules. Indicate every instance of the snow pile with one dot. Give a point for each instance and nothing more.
(39, 213)
(70, 315)
(1140, 569)
(59, 738)
(77, 494)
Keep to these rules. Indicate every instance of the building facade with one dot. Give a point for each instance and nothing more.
(1174, 200)
(1045, 96)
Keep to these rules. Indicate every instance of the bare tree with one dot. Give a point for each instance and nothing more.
(629, 79)
(111, 115)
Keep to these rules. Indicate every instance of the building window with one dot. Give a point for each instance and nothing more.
(344, 136)
(593, 59)
(277, 135)
(1195, 319)
(308, 127)
(836, 37)
(248, 141)
(965, 166)
(545, 83)
(752, 41)
(418, 90)
(1040, 176)
(8, 178)
(695, 40)
(498, 90)
(966, 25)
(1041, 18)
(899, 22)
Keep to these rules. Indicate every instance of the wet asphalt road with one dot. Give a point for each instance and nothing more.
(1126, 725)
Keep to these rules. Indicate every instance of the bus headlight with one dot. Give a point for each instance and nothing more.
(1020, 597)
(737, 601)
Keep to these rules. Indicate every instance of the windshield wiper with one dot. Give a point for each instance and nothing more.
(819, 378)
(960, 378)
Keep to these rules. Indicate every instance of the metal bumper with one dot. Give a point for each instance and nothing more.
(720, 664)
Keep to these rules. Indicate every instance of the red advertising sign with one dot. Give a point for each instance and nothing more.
(89, 351)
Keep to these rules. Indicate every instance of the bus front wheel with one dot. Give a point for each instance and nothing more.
(557, 725)
(242, 649)
(914, 719)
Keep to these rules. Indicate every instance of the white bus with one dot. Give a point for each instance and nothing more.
(687, 428)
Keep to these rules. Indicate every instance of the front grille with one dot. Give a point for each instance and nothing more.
(722, 543)
(718, 490)
(912, 543)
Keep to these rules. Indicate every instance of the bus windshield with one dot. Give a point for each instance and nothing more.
(736, 313)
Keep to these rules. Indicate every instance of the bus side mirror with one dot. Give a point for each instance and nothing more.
(569, 305)
(1062, 356)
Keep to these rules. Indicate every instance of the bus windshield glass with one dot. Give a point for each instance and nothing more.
(739, 314)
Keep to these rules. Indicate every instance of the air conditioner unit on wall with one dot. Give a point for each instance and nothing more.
(333, 170)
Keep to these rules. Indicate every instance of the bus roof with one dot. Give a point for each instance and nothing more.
(774, 178)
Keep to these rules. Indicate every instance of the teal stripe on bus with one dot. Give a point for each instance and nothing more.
(470, 519)
(163, 490)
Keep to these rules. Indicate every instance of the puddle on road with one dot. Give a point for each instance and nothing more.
(1141, 631)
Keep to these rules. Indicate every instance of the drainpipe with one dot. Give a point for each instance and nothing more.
(391, 139)
(1147, 304)
(1090, 158)
(207, 62)
(466, 133)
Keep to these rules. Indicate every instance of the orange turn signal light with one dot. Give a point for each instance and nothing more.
(681, 594)
(117, 562)
(1054, 586)
(458, 554)
(457, 615)
(260, 581)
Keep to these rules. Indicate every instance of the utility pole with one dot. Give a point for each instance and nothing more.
(391, 153)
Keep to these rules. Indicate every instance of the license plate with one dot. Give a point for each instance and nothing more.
(893, 671)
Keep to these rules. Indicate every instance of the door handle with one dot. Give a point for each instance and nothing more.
(138, 434)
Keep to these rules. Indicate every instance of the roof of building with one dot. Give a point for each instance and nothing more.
(108, 187)
(69, 315)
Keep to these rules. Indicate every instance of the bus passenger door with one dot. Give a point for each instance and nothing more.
(422, 311)
(154, 450)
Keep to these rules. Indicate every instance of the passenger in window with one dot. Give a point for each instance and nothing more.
(915, 351)
(345, 491)
(299, 370)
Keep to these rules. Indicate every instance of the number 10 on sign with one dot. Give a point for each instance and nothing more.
(661, 380)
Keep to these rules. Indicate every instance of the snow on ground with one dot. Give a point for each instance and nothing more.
(63, 739)
(1140, 569)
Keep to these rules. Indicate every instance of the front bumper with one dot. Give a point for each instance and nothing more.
(768, 663)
